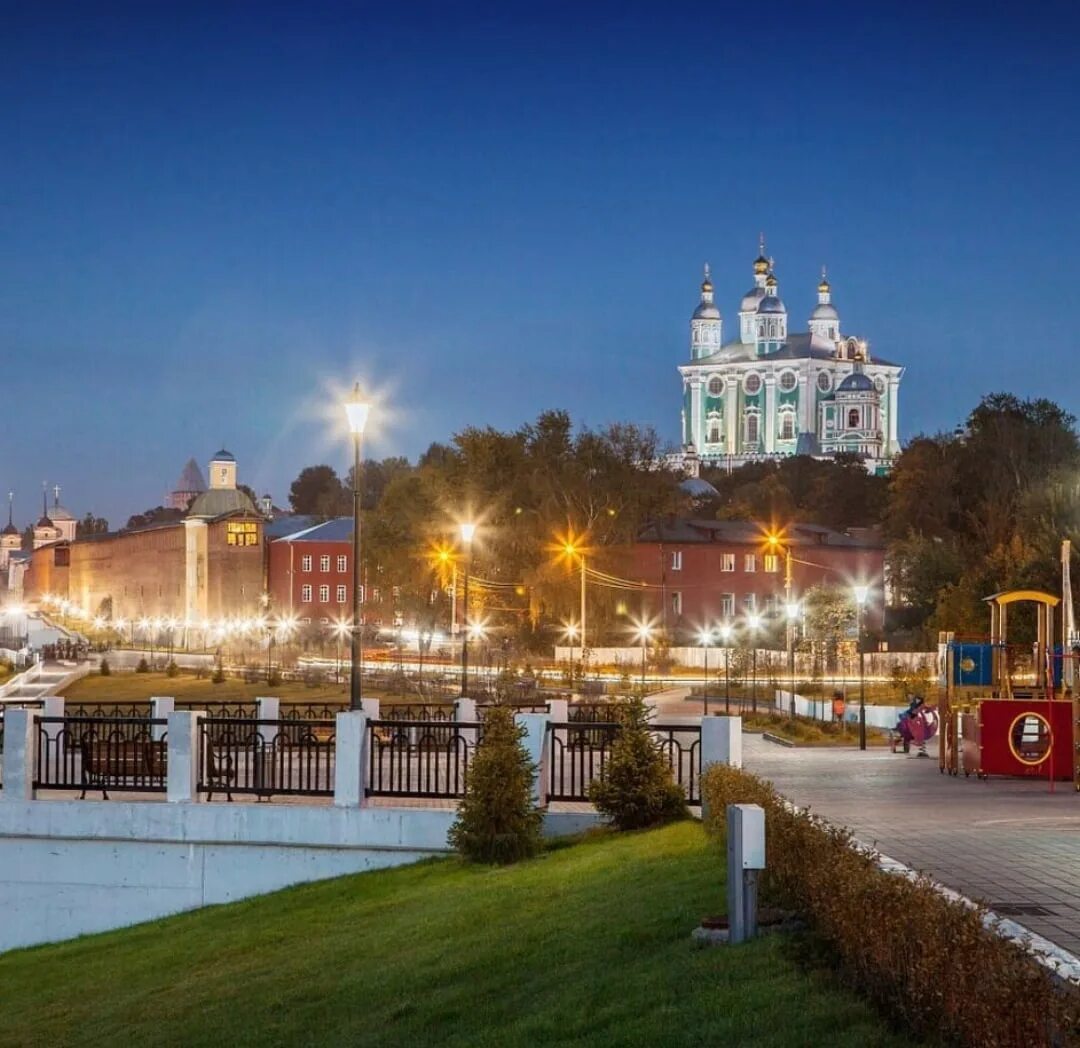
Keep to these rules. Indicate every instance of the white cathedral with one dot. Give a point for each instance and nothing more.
(770, 393)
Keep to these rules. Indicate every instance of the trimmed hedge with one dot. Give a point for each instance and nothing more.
(926, 960)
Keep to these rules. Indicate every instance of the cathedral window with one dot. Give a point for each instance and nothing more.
(752, 383)
(752, 426)
(788, 381)
(853, 418)
(824, 381)
(787, 425)
(716, 385)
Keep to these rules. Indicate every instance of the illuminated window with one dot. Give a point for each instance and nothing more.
(727, 605)
(750, 562)
(324, 594)
(772, 563)
(676, 560)
(305, 594)
(727, 561)
(305, 562)
(242, 534)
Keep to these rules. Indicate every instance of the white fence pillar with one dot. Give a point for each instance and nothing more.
(721, 741)
(559, 710)
(52, 706)
(183, 762)
(20, 751)
(268, 710)
(370, 708)
(350, 758)
(160, 708)
(536, 745)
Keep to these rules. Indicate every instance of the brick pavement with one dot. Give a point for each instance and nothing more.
(1010, 843)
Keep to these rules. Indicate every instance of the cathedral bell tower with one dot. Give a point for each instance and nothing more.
(706, 325)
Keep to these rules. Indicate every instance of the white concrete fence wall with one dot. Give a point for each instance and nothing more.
(819, 708)
(878, 663)
(70, 867)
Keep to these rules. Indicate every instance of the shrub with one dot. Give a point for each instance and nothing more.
(104, 668)
(143, 666)
(497, 821)
(927, 960)
(219, 674)
(636, 788)
(172, 670)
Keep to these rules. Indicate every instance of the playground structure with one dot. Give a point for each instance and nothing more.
(1011, 710)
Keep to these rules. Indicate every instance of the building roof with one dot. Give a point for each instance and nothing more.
(224, 456)
(340, 529)
(697, 488)
(288, 524)
(217, 502)
(688, 530)
(856, 382)
(191, 478)
(800, 345)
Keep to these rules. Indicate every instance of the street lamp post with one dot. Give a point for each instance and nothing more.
(571, 632)
(468, 531)
(792, 618)
(269, 651)
(643, 632)
(572, 550)
(725, 636)
(861, 594)
(706, 638)
(356, 413)
(754, 622)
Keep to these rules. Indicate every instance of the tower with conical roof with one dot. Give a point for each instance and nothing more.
(824, 321)
(706, 325)
(10, 539)
(188, 487)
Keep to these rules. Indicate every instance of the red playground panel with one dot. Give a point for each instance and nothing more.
(1026, 738)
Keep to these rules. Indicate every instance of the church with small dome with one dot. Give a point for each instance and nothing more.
(769, 392)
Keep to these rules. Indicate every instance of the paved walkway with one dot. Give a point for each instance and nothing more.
(1008, 842)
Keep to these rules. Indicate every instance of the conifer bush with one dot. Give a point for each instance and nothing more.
(218, 675)
(497, 821)
(143, 666)
(636, 788)
(104, 668)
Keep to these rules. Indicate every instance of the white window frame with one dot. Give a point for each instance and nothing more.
(784, 418)
(342, 562)
(755, 418)
(676, 560)
(305, 593)
(709, 384)
(324, 562)
(750, 603)
(749, 563)
(342, 594)
(771, 563)
(305, 562)
(727, 605)
(676, 602)
(727, 561)
(324, 594)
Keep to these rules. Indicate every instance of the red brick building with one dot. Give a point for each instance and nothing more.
(309, 572)
(714, 571)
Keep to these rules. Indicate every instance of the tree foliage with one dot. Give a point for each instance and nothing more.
(91, 525)
(497, 821)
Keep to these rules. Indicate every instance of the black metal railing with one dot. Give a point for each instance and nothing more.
(600, 712)
(308, 711)
(681, 745)
(266, 758)
(107, 709)
(417, 711)
(101, 753)
(577, 755)
(518, 707)
(419, 758)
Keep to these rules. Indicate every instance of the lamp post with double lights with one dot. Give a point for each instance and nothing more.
(725, 636)
(753, 622)
(357, 409)
(861, 594)
(468, 533)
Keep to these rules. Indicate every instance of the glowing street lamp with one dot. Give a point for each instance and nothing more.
(861, 594)
(792, 610)
(574, 549)
(643, 631)
(357, 409)
(467, 530)
(570, 632)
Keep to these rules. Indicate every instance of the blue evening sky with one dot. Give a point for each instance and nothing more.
(213, 214)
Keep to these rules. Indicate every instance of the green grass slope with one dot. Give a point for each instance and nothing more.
(587, 945)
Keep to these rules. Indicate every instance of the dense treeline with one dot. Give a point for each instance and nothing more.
(964, 513)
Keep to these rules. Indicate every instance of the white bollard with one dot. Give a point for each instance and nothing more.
(536, 745)
(721, 741)
(745, 857)
(183, 762)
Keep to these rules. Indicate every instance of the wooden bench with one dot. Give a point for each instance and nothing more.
(117, 763)
(218, 772)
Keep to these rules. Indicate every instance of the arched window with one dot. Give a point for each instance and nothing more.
(853, 418)
(787, 425)
(752, 428)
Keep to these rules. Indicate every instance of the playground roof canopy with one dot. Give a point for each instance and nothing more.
(1014, 596)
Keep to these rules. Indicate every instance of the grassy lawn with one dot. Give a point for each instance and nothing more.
(140, 687)
(805, 732)
(587, 945)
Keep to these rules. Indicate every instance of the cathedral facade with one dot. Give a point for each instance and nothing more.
(768, 392)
